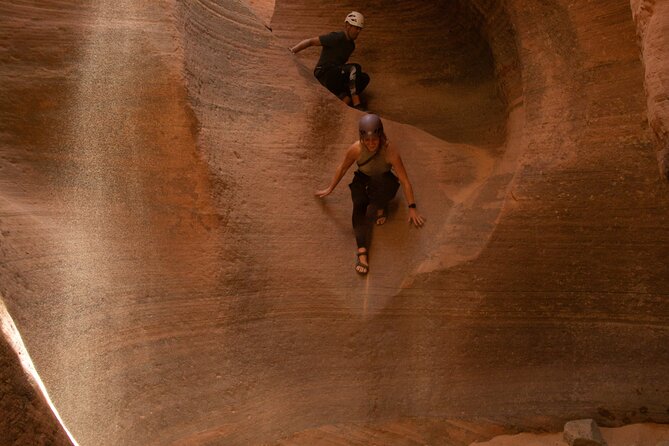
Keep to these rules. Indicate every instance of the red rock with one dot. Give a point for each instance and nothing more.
(176, 282)
(652, 20)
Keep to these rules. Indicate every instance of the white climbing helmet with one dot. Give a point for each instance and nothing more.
(356, 19)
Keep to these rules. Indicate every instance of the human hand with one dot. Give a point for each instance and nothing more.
(415, 218)
(323, 193)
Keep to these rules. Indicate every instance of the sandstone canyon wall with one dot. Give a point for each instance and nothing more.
(27, 418)
(652, 19)
(176, 282)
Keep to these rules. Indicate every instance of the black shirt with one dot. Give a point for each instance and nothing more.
(336, 49)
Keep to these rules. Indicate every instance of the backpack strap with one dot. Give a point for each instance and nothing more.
(369, 159)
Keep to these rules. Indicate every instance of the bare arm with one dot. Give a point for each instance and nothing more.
(306, 43)
(396, 160)
(352, 154)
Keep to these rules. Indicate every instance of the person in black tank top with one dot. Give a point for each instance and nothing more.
(373, 183)
(345, 80)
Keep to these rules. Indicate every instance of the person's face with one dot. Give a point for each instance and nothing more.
(371, 142)
(352, 31)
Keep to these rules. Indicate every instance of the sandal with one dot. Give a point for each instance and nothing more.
(382, 217)
(359, 264)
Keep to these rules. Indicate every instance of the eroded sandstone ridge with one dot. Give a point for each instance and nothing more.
(27, 418)
(175, 281)
(652, 19)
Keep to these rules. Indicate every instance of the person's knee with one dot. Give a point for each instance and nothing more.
(361, 81)
(385, 191)
(331, 79)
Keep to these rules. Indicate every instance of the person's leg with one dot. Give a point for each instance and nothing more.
(333, 79)
(361, 81)
(359, 219)
(381, 215)
(382, 189)
(360, 203)
(345, 82)
(352, 72)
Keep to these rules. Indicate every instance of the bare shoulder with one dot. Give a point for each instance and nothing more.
(354, 150)
(391, 151)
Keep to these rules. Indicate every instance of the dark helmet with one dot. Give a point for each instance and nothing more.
(370, 124)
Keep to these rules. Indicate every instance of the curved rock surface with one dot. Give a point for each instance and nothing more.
(176, 282)
(27, 418)
(652, 19)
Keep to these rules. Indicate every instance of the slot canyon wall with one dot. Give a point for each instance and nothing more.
(653, 35)
(175, 281)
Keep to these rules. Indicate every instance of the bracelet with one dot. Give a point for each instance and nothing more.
(412, 205)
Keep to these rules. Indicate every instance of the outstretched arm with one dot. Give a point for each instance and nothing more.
(398, 165)
(352, 154)
(306, 43)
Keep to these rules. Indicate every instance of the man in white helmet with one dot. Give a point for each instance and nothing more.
(346, 80)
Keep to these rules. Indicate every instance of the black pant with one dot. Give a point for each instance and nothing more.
(365, 190)
(342, 80)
